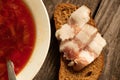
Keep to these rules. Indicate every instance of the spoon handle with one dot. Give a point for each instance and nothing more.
(10, 68)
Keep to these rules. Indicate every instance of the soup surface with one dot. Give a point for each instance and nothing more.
(17, 35)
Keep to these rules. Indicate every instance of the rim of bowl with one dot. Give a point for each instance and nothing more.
(32, 68)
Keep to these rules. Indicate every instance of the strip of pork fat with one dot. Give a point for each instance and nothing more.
(97, 44)
(65, 33)
(85, 36)
(70, 49)
(85, 58)
(79, 17)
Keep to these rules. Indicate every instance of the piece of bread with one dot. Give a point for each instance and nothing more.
(92, 71)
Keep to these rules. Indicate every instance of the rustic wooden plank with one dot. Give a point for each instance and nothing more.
(108, 22)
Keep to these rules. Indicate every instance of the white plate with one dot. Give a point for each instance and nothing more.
(42, 40)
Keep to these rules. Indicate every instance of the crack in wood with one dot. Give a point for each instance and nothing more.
(97, 8)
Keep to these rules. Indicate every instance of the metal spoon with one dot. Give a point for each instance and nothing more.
(11, 72)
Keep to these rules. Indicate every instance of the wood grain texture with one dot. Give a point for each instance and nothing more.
(107, 16)
(108, 22)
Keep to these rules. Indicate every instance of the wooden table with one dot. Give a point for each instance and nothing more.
(107, 17)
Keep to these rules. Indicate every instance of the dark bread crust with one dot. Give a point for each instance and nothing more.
(90, 72)
(62, 13)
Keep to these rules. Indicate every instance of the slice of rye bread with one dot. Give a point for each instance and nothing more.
(92, 71)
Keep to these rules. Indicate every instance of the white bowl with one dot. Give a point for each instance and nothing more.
(42, 40)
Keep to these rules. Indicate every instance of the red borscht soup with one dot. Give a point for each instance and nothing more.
(17, 35)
